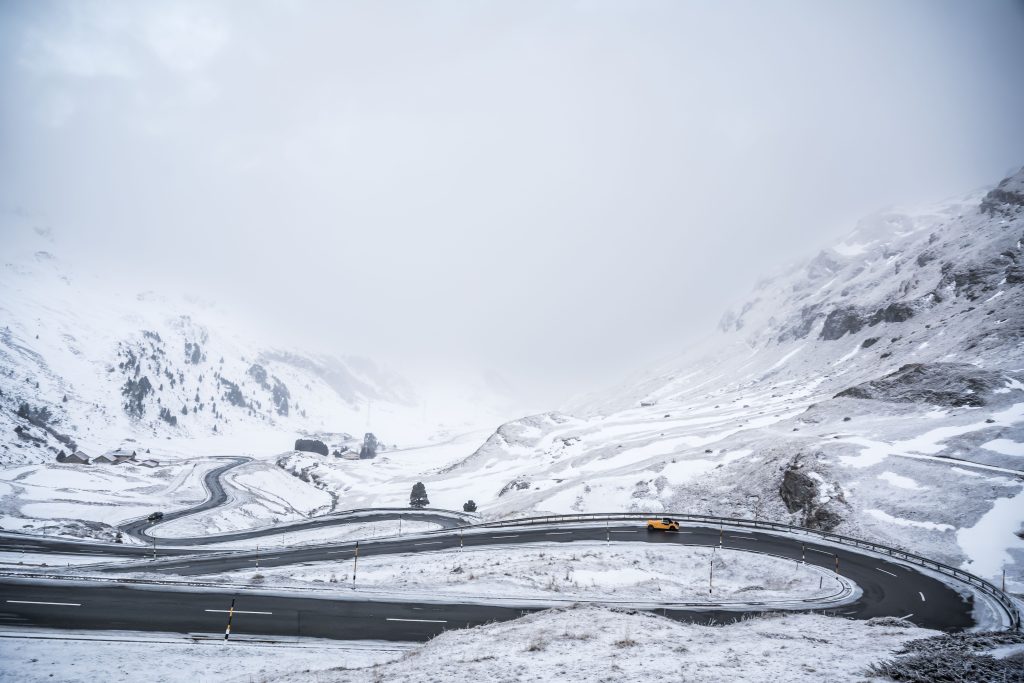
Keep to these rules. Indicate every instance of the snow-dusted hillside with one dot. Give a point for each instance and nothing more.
(875, 389)
(85, 365)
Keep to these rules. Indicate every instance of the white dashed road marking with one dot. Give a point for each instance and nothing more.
(885, 572)
(237, 611)
(34, 602)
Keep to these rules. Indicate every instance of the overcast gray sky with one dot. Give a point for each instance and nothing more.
(559, 191)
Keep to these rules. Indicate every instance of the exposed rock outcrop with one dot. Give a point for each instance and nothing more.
(851, 320)
(805, 491)
(944, 384)
(1007, 198)
(311, 446)
(517, 484)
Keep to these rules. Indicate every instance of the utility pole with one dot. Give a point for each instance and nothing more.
(355, 564)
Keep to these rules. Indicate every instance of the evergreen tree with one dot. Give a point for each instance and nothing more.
(418, 497)
(469, 506)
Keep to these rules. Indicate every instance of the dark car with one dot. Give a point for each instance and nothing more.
(155, 516)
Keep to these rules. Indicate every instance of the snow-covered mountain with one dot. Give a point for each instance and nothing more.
(88, 366)
(874, 389)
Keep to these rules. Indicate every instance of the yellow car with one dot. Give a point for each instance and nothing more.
(663, 524)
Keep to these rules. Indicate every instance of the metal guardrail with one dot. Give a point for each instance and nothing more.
(990, 589)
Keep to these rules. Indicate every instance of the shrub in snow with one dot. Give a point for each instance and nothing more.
(418, 497)
(954, 657)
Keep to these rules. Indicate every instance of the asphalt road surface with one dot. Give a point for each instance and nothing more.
(889, 589)
(214, 483)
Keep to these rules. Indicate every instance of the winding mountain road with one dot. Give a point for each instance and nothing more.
(213, 481)
(102, 600)
(888, 589)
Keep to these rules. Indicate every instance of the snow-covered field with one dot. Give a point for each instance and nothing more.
(90, 656)
(580, 644)
(355, 530)
(73, 500)
(387, 480)
(259, 494)
(582, 570)
(591, 644)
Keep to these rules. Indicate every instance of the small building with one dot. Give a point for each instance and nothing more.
(120, 455)
(103, 460)
(76, 458)
(148, 462)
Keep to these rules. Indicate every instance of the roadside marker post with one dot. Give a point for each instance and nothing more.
(399, 526)
(720, 535)
(355, 564)
(154, 548)
(837, 565)
(607, 533)
(460, 541)
(711, 573)
(257, 557)
(231, 613)
(803, 553)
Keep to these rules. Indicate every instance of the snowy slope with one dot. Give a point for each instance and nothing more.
(96, 367)
(590, 644)
(876, 389)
